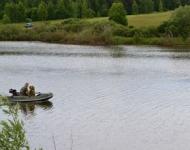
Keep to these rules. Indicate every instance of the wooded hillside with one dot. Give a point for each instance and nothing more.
(20, 10)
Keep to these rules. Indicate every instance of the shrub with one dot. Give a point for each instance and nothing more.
(179, 23)
(12, 133)
(181, 20)
(150, 32)
(117, 13)
(6, 19)
(28, 20)
(120, 31)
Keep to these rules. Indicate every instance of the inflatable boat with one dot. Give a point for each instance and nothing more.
(40, 97)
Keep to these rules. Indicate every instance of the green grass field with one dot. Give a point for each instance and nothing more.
(146, 20)
(143, 20)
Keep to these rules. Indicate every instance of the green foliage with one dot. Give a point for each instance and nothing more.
(28, 20)
(68, 9)
(19, 10)
(135, 9)
(34, 13)
(117, 13)
(64, 9)
(12, 134)
(51, 10)
(177, 3)
(100, 31)
(8, 11)
(86, 11)
(6, 19)
(3, 101)
(146, 6)
(150, 6)
(160, 8)
(181, 20)
(172, 4)
(102, 8)
(42, 11)
(179, 23)
(15, 12)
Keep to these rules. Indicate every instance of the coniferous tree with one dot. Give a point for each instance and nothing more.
(85, 8)
(69, 8)
(34, 13)
(21, 12)
(74, 8)
(86, 11)
(79, 8)
(64, 9)
(160, 6)
(60, 10)
(150, 6)
(51, 10)
(42, 11)
(168, 4)
(176, 3)
(156, 5)
(185, 2)
(11, 11)
(101, 7)
(146, 6)
(135, 9)
(142, 7)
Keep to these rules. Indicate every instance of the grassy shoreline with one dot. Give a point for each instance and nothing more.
(156, 41)
(142, 30)
(163, 42)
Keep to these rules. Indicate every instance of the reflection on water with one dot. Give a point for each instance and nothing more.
(117, 52)
(29, 107)
(112, 51)
(54, 50)
(105, 98)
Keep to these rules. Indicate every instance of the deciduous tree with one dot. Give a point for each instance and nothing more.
(117, 13)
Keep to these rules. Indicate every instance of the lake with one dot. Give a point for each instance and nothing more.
(105, 98)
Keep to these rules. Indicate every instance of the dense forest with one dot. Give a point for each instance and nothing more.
(20, 10)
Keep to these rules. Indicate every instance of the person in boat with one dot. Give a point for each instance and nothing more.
(24, 90)
(31, 91)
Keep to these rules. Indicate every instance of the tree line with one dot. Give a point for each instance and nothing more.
(20, 10)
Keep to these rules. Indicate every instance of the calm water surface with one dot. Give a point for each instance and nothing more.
(106, 98)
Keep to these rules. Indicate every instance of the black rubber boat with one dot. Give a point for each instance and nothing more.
(41, 97)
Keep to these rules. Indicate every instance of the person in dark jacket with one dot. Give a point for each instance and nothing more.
(24, 90)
